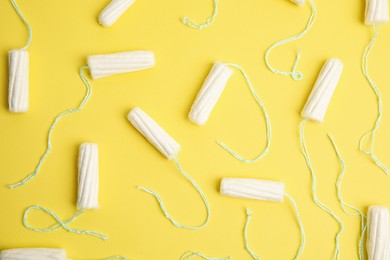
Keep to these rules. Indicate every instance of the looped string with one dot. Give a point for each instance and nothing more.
(299, 219)
(51, 129)
(59, 224)
(356, 211)
(371, 134)
(296, 75)
(267, 121)
(25, 22)
(314, 189)
(191, 254)
(247, 248)
(191, 23)
(162, 205)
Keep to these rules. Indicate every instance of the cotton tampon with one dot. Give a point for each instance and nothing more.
(88, 179)
(298, 2)
(18, 83)
(321, 95)
(378, 235)
(377, 13)
(113, 11)
(104, 65)
(252, 189)
(33, 254)
(166, 145)
(263, 190)
(210, 93)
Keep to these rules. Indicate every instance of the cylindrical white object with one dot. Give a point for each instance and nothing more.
(378, 233)
(33, 254)
(88, 179)
(299, 2)
(110, 64)
(154, 133)
(210, 93)
(18, 86)
(113, 11)
(377, 12)
(319, 99)
(252, 189)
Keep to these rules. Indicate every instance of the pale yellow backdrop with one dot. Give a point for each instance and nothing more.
(66, 32)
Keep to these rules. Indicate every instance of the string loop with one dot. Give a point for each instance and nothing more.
(51, 129)
(296, 75)
(314, 189)
(162, 205)
(16, 7)
(267, 121)
(191, 23)
(372, 132)
(59, 224)
(191, 254)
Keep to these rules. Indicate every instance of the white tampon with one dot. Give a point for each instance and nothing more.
(33, 254)
(88, 179)
(154, 133)
(110, 64)
(377, 12)
(378, 235)
(298, 2)
(252, 189)
(18, 88)
(323, 90)
(113, 11)
(210, 93)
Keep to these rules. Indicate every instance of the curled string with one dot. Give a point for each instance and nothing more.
(162, 205)
(59, 224)
(191, 23)
(314, 189)
(296, 75)
(191, 254)
(51, 129)
(301, 229)
(16, 7)
(372, 132)
(246, 244)
(267, 121)
(344, 205)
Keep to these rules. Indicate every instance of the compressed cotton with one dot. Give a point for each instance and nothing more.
(378, 235)
(252, 189)
(210, 93)
(319, 99)
(33, 254)
(377, 12)
(113, 11)
(299, 2)
(88, 179)
(110, 64)
(18, 86)
(154, 133)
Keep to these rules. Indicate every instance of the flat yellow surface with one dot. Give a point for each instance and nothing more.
(66, 32)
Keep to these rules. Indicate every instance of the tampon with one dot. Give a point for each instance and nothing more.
(113, 11)
(377, 12)
(33, 254)
(18, 88)
(378, 235)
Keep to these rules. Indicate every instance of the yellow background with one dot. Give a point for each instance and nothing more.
(66, 32)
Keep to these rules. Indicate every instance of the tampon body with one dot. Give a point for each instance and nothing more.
(299, 2)
(377, 12)
(210, 93)
(18, 88)
(113, 11)
(319, 99)
(252, 189)
(104, 65)
(378, 235)
(33, 254)
(88, 180)
(154, 133)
